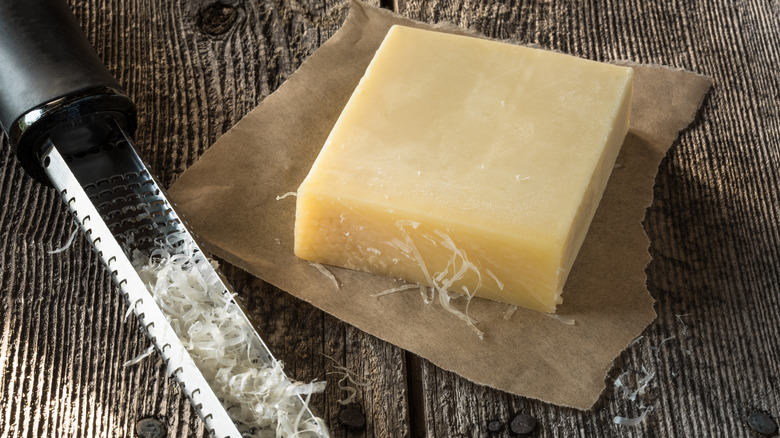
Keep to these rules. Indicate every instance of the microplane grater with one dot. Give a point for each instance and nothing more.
(70, 124)
(122, 209)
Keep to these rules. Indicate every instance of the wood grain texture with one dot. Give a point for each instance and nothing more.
(63, 339)
(715, 347)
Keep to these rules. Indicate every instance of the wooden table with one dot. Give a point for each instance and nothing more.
(196, 67)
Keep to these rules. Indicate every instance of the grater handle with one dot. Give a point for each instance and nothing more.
(49, 75)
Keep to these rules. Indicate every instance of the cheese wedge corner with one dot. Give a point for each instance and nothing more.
(468, 165)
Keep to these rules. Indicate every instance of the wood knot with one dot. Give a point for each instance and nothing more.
(522, 424)
(495, 427)
(762, 423)
(352, 417)
(217, 18)
(150, 427)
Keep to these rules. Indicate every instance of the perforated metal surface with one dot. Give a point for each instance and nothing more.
(128, 199)
(122, 209)
(133, 209)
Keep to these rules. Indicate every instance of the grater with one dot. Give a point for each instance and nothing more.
(71, 125)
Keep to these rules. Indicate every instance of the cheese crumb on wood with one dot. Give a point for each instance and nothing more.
(467, 162)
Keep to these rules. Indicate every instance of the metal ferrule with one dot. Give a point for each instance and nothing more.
(29, 133)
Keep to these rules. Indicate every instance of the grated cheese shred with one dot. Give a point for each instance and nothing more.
(684, 326)
(67, 244)
(395, 289)
(657, 348)
(280, 197)
(499, 283)
(347, 376)
(642, 384)
(509, 312)
(258, 396)
(632, 421)
(567, 321)
(324, 271)
(146, 353)
(440, 283)
(631, 393)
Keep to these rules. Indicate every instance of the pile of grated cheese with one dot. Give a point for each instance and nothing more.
(258, 396)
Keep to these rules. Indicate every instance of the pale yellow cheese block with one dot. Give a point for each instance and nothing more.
(466, 164)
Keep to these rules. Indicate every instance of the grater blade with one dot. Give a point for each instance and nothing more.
(123, 210)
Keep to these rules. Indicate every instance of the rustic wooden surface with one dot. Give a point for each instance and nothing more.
(196, 67)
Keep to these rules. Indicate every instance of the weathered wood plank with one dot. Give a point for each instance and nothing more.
(713, 223)
(713, 227)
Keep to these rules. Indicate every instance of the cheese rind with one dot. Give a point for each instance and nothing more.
(467, 162)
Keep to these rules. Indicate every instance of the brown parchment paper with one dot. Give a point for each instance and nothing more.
(230, 198)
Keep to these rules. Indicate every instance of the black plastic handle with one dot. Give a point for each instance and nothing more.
(50, 75)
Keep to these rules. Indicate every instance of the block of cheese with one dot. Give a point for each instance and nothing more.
(467, 165)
